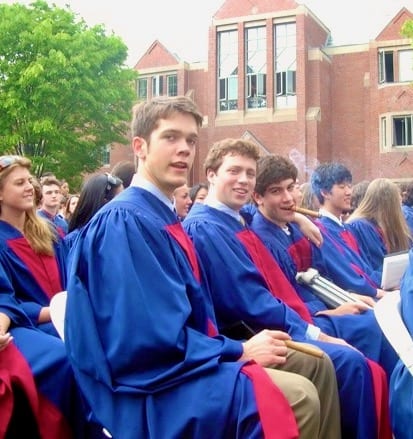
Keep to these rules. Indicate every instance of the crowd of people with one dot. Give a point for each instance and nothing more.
(184, 315)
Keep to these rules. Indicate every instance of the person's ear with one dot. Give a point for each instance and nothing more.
(139, 147)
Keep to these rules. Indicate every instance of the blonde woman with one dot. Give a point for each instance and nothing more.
(32, 361)
(378, 223)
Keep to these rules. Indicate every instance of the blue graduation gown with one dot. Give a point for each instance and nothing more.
(361, 330)
(239, 292)
(401, 383)
(351, 273)
(33, 278)
(370, 242)
(142, 350)
(408, 215)
(53, 394)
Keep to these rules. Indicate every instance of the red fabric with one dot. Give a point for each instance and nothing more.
(180, 236)
(350, 240)
(276, 416)
(381, 393)
(301, 254)
(185, 243)
(277, 283)
(43, 268)
(15, 371)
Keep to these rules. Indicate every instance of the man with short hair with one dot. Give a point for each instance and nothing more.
(247, 285)
(50, 204)
(332, 185)
(155, 365)
(273, 223)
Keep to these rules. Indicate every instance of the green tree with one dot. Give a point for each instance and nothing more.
(65, 92)
(407, 29)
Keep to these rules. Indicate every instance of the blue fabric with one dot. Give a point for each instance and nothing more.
(401, 383)
(361, 330)
(58, 221)
(408, 214)
(140, 350)
(370, 242)
(17, 277)
(341, 263)
(239, 292)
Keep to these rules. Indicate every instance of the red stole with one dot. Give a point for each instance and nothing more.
(276, 281)
(43, 268)
(15, 371)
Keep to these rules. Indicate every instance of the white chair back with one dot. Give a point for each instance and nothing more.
(388, 316)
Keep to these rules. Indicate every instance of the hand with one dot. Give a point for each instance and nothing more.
(5, 339)
(309, 229)
(366, 299)
(380, 293)
(44, 315)
(345, 308)
(266, 348)
(330, 339)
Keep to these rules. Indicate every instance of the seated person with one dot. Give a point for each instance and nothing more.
(331, 183)
(378, 223)
(246, 283)
(148, 325)
(32, 254)
(274, 195)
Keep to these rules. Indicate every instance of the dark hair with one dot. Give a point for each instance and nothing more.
(273, 169)
(193, 192)
(50, 181)
(124, 170)
(96, 192)
(326, 175)
(408, 194)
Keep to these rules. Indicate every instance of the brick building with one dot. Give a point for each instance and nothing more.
(273, 76)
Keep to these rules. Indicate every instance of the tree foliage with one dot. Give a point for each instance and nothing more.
(407, 29)
(65, 92)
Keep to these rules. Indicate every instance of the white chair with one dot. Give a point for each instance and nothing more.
(388, 316)
(57, 315)
(57, 312)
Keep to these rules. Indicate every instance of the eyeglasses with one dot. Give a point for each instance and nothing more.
(8, 160)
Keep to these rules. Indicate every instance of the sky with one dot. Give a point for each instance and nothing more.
(182, 25)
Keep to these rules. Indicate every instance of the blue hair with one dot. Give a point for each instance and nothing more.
(325, 176)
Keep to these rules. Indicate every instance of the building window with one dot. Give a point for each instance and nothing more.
(256, 67)
(157, 85)
(142, 88)
(285, 54)
(172, 85)
(402, 130)
(405, 65)
(227, 70)
(395, 66)
(396, 131)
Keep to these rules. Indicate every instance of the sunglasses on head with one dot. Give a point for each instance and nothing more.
(111, 182)
(8, 160)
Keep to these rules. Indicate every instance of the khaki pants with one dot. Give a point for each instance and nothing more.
(309, 384)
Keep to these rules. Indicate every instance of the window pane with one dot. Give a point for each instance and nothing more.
(228, 70)
(142, 88)
(406, 65)
(256, 67)
(172, 84)
(285, 64)
(402, 130)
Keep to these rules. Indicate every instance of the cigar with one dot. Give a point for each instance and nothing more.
(305, 348)
(308, 212)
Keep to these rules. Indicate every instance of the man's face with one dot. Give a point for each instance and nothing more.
(277, 201)
(167, 158)
(234, 180)
(51, 196)
(338, 200)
